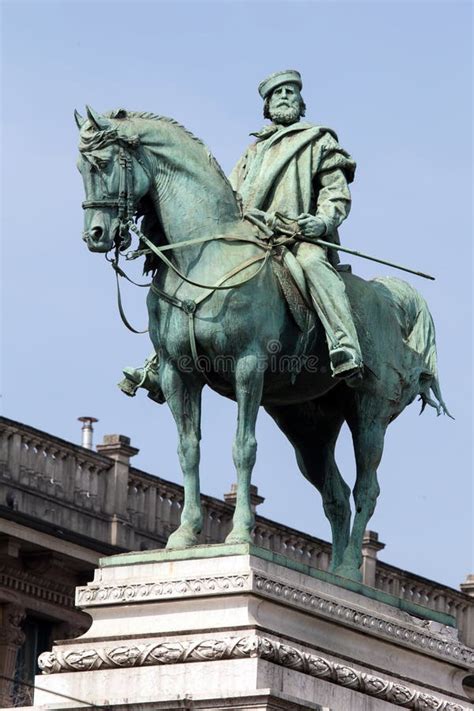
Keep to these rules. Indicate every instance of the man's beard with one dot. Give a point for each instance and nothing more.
(285, 115)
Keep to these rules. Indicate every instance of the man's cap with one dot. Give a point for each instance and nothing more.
(277, 79)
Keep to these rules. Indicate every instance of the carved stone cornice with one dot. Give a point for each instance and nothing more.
(419, 634)
(430, 637)
(92, 594)
(252, 646)
(28, 583)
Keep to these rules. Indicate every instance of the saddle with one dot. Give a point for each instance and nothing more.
(294, 287)
(288, 270)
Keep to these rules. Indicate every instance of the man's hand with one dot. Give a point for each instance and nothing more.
(310, 225)
(259, 214)
(268, 218)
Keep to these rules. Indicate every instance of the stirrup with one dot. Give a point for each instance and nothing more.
(136, 378)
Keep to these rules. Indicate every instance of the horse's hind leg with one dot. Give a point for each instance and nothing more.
(183, 395)
(248, 392)
(313, 429)
(368, 432)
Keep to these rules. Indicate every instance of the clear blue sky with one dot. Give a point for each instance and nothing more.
(392, 78)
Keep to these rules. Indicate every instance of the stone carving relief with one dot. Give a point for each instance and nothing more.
(434, 637)
(430, 635)
(241, 648)
(92, 594)
(41, 587)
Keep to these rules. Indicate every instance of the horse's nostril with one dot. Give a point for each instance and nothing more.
(96, 233)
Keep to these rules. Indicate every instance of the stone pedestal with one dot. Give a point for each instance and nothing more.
(236, 627)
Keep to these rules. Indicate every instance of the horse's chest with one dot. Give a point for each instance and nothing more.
(178, 332)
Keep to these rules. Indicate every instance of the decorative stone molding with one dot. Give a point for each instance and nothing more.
(37, 467)
(28, 583)
(247, 647)
(437, 639)
(106, 594)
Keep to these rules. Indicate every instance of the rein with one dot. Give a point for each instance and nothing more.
(125, 202)
(189, 306)
(119, 272)
(201, 240)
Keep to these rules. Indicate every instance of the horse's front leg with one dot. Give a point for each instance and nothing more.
(248, 391)
(183, 395)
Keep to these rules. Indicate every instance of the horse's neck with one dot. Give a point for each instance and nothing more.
(194, 202)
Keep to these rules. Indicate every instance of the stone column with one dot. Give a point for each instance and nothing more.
(118, 448)
(14, 456)
(11, 639)
(370, 547)
(467, 629)
(150, 509)
(69, 468)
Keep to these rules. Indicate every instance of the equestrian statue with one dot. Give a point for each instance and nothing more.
(248, 297)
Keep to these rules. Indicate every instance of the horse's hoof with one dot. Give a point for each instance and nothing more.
(182, 539)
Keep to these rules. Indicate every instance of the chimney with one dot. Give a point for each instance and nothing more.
(87, 430)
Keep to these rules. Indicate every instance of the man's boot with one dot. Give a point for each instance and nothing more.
(146, 377)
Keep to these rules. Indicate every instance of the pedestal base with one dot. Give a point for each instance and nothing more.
(238, 628)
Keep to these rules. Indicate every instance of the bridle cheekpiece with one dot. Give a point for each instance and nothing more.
(125, 202)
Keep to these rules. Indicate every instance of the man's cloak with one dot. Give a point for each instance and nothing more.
(296, 169)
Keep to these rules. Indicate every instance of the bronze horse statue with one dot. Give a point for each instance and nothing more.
(215, 292)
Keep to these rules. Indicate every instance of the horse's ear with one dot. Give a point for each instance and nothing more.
(80, 120)
(101, 123)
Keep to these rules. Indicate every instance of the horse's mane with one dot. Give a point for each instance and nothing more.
(148, 115)
(150, 224)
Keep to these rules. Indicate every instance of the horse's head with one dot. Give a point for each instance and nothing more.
(115, 178)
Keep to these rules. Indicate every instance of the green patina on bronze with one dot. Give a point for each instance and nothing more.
(366, 352)
(248, 549)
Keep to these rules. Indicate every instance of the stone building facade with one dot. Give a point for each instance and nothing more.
(63, 506)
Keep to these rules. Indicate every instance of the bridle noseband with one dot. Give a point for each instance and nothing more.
(126, 202)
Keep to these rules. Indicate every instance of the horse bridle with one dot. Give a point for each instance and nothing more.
(125, 203)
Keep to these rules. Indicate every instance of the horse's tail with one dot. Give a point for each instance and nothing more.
(440, 405)
(418, 331)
